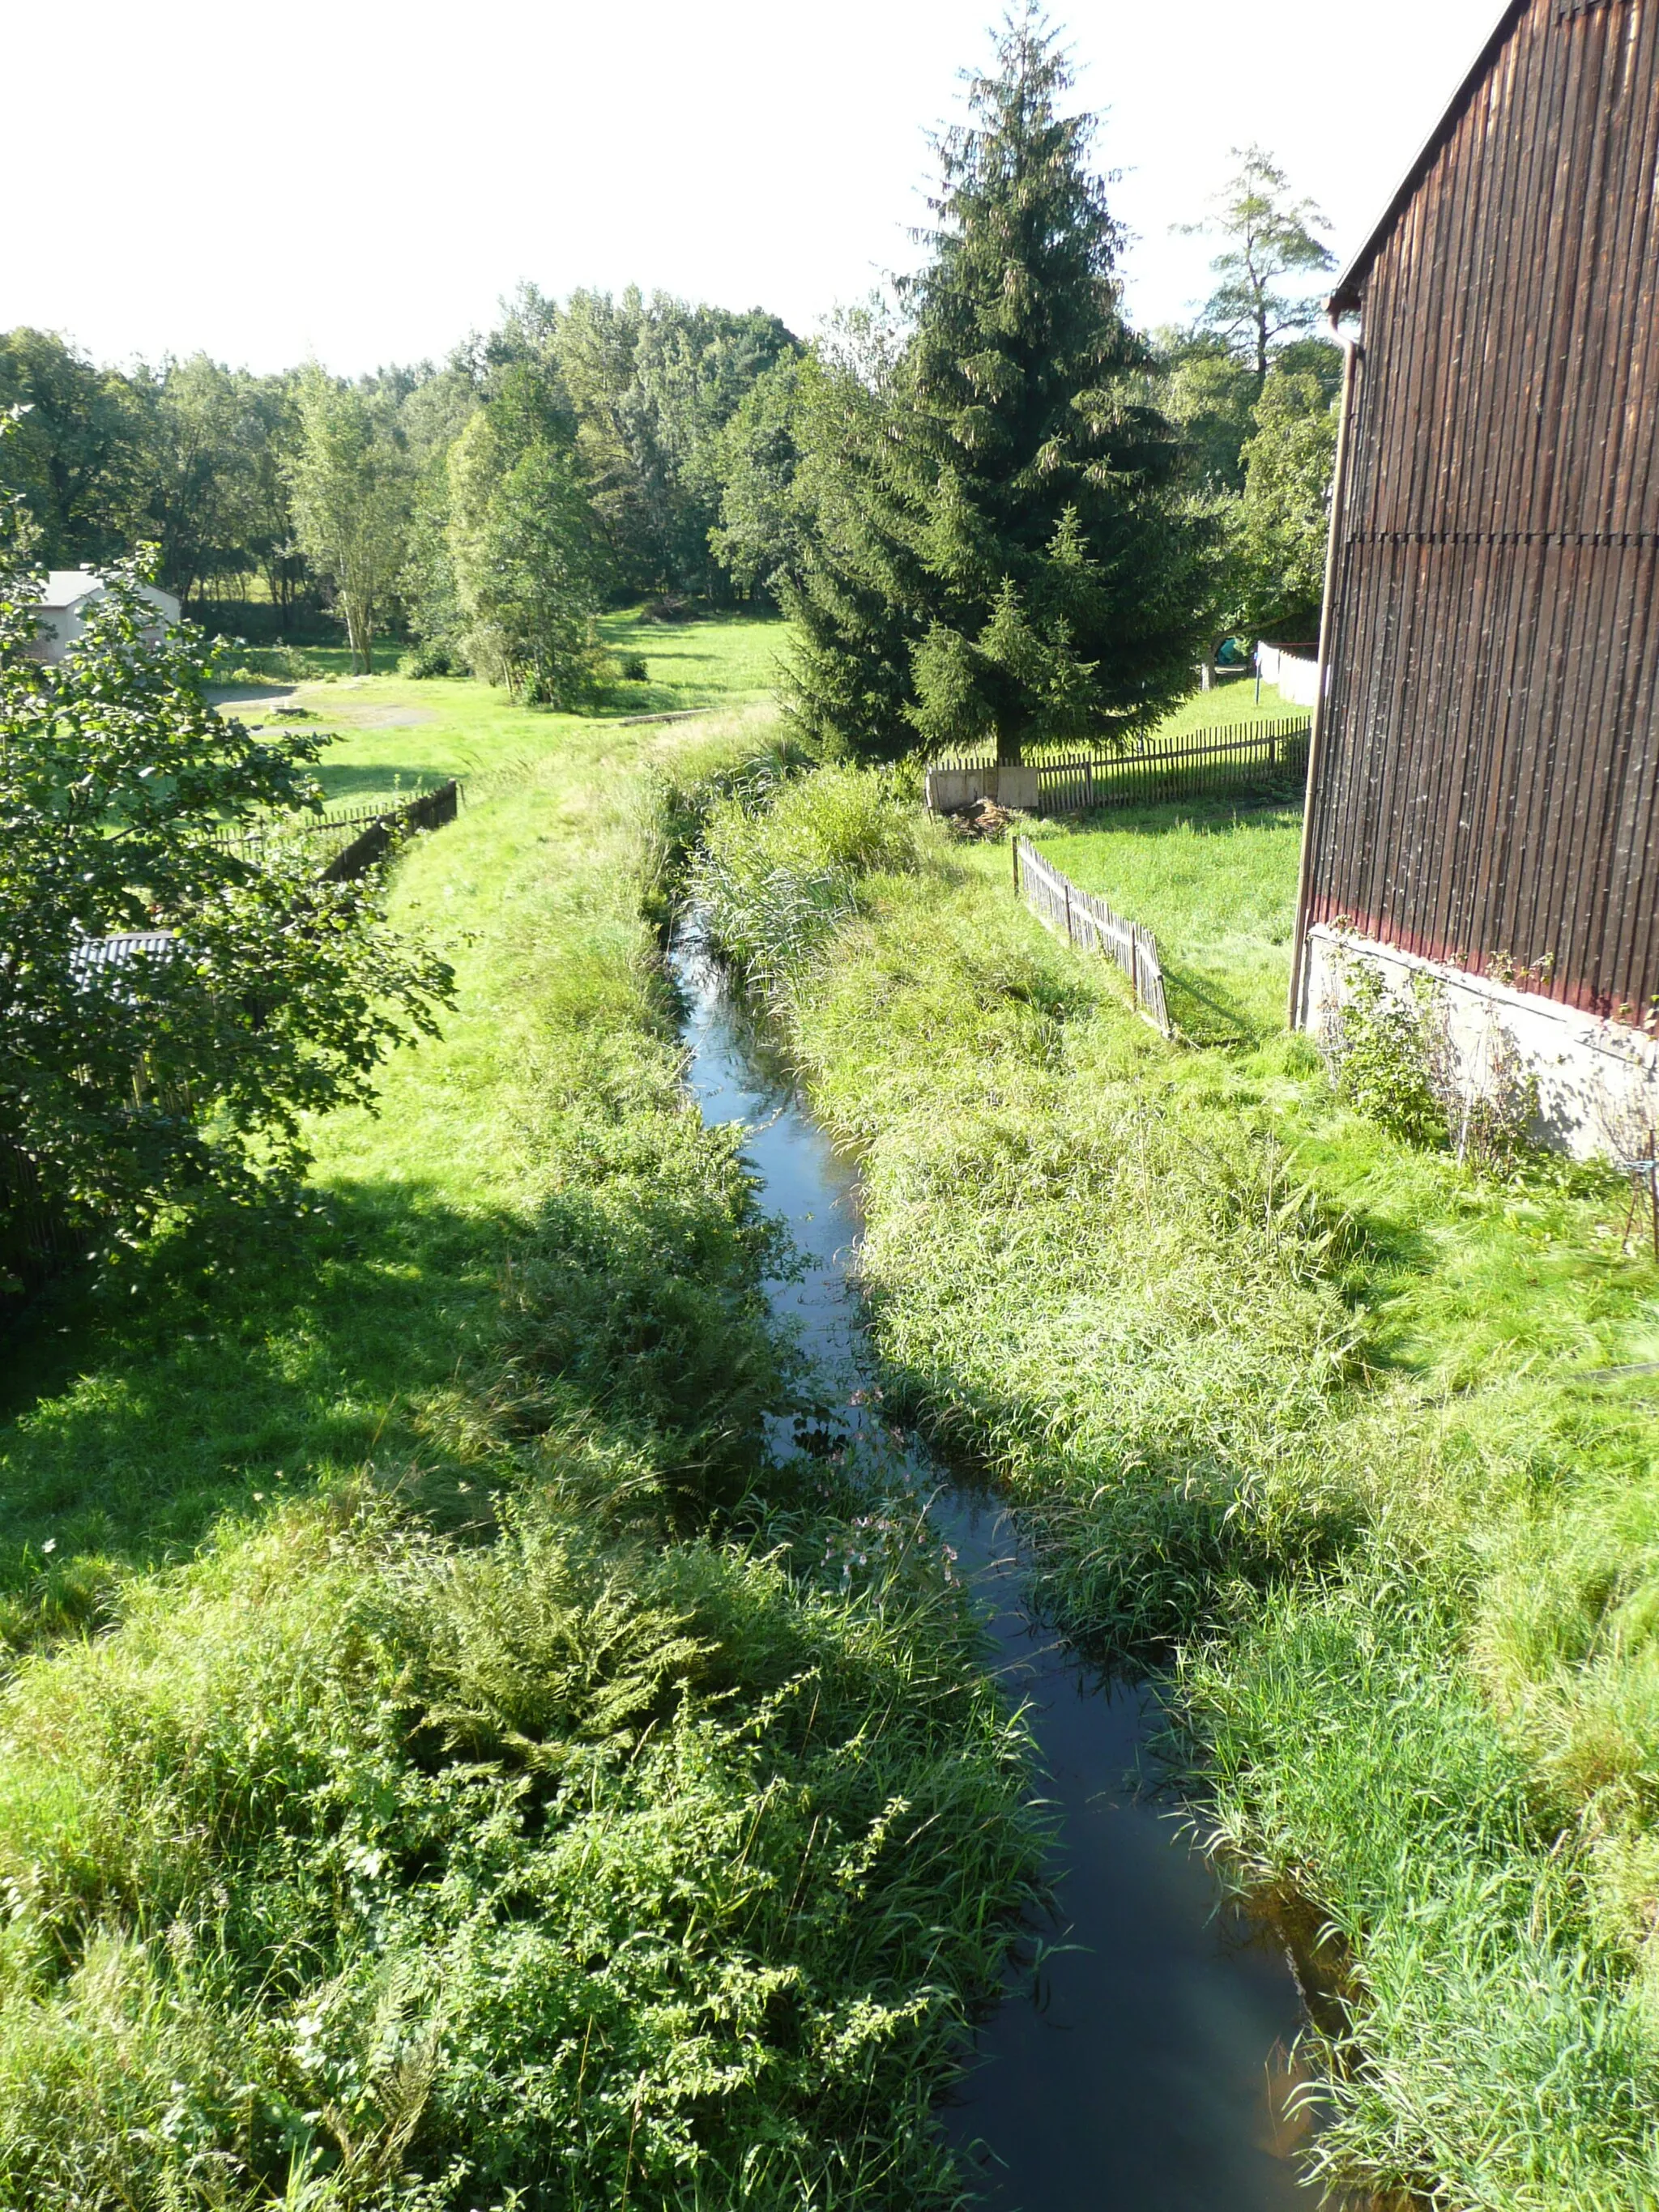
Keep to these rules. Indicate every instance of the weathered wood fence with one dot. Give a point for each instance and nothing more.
(1085, 920)
(360, 836)
(1243, 756)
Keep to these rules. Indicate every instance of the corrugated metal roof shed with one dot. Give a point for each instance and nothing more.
(94, 953)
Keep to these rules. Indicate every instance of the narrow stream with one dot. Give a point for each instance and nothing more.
(1144, 2066)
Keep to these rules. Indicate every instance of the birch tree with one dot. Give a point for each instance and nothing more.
(351, 489)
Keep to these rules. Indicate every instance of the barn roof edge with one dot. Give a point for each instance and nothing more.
(1345, 297)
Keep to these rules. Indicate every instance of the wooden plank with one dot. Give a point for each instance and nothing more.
(1084, 919)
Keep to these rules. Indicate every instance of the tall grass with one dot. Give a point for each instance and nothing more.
(478, 1790)
(1318, 1418)
(567, 1870)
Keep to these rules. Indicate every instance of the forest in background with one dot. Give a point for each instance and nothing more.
(604, 451)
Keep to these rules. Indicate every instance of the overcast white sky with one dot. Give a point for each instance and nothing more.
(364, 181)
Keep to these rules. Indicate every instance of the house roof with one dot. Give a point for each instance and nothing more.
(1345, 297)
(65, 586)
(92, 953)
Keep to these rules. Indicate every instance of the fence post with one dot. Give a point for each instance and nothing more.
(1014, 842)
(1071, 935)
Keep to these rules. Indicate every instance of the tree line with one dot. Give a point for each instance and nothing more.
(989, 503)
(482, 508)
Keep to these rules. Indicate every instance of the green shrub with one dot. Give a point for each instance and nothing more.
(780, 866)
(464, 1871)
(633, 669)
(1395, 1059)
(432, 657)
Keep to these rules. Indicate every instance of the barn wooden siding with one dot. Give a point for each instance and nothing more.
(1485, 780)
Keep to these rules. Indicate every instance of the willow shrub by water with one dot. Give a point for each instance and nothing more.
(1302, 1407)
(513, 1819)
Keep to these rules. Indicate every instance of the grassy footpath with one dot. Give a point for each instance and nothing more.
(462, 1803)
(1320, 1416)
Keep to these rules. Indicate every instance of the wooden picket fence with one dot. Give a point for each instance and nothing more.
(1241, 755)
(359, 835)
(1085, 920)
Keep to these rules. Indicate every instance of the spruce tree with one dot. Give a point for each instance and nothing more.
(998, 546)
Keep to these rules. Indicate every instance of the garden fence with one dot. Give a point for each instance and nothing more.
(1244, 756)
(360, 836)
(1087, 921)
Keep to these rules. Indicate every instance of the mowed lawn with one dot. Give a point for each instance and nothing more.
(1215, 881)
(394, 735)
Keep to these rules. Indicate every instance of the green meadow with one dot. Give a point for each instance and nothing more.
(438, 1769)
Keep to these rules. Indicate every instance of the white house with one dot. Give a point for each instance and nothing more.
(62, 611)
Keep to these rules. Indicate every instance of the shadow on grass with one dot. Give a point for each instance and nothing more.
(382, 1331)
(1270, 808)
(343, 780)
(1207, 1015)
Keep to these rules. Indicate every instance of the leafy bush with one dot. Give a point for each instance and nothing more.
(1395, 1059)
(559, 1873)
(237, 663)
(184, 1067)
(434, 656)
(633, 668)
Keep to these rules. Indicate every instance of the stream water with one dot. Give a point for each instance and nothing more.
(1144, 2064)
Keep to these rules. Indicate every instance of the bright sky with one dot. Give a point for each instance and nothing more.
(365, 181)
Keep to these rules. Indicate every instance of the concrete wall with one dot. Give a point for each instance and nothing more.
(1013, 788)
(1598, 1081)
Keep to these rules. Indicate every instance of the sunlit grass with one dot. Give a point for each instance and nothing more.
(1325, 1418)
(475, 1775)
(1215, 881)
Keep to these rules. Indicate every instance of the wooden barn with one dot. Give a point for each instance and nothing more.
(1483, 795)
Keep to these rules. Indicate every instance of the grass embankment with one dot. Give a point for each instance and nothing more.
(1322, 1416)
(463, 1801)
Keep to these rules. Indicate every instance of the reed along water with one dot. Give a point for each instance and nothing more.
(1140, 2061)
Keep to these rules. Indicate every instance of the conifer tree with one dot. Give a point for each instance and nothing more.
(998, 546)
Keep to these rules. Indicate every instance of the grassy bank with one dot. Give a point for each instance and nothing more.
(461, 1801)
(1318, 1416)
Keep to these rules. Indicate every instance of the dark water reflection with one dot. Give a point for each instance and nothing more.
(1143, 2064)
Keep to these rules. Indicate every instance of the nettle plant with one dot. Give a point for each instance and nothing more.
(135, 1078)
(1393, 1056)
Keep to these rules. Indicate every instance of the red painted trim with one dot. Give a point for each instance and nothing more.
(1323, 908)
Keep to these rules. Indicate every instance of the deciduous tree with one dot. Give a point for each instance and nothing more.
(350, 486)
(129, 1085)
(1268, 236)
(527, 561)
(1283, 518)
(77, 455)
